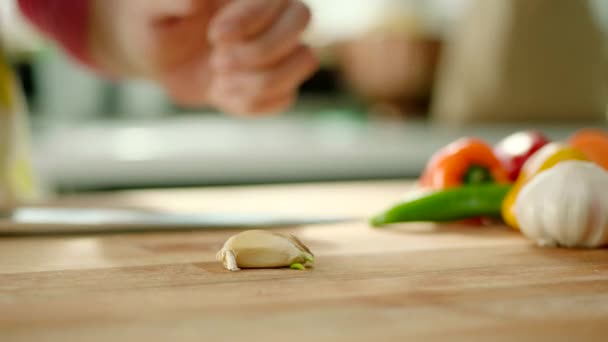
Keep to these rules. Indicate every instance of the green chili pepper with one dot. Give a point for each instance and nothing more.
(469, 201)
(477, 175)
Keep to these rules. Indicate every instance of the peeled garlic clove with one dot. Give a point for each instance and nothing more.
(566, 205)
(263, 249)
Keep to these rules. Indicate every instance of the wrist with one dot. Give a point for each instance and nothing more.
(117, 39)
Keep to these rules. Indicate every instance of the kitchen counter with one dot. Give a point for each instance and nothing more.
(417, 282)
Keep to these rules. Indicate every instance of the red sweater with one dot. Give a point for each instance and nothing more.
(64, 21)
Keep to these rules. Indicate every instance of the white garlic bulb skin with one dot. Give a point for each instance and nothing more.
(263, 249)
(566, 206)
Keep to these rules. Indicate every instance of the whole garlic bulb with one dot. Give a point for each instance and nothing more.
(566, 205)
(264, 249)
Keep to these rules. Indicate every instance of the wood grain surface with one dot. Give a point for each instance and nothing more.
(415, 282)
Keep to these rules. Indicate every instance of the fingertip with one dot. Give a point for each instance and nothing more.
(312, 60)
(304, 12)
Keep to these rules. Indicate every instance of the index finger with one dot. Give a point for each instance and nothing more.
(242, 19)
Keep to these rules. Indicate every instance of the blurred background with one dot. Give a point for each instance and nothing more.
(399, 79)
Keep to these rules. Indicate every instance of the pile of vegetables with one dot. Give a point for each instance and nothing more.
(556, 193)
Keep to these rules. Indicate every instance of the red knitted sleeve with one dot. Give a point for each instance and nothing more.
(64, 21)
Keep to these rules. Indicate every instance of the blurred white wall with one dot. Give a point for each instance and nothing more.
(343, 19)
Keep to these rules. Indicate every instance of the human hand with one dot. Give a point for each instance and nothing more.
(241, 56)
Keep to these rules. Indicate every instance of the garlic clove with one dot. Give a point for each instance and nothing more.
(566, 205)
(264, 249)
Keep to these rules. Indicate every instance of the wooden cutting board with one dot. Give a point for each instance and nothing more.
(412, 282)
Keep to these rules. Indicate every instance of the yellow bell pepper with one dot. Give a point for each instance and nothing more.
(546, 158)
